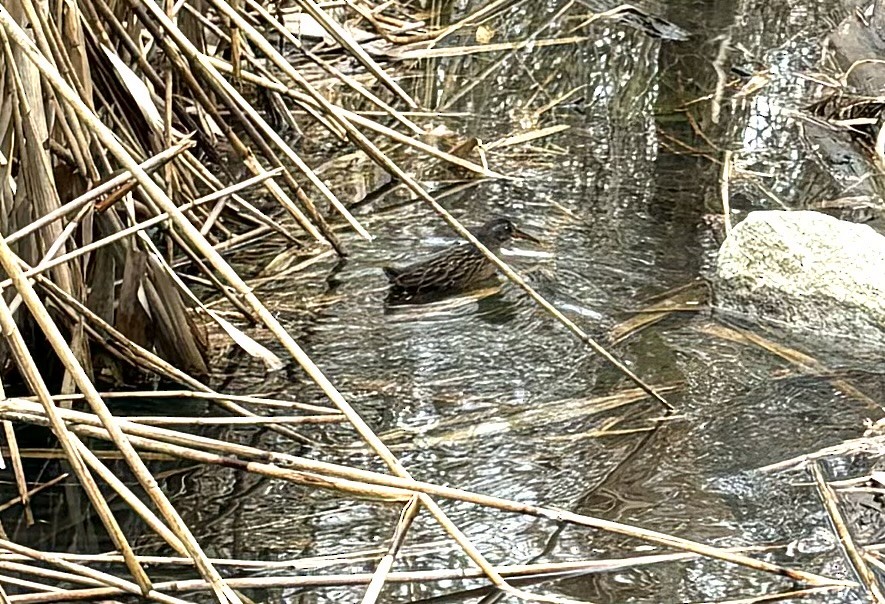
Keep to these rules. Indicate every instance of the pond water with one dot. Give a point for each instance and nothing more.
(493, 396)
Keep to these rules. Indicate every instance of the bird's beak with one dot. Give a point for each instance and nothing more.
(517, 234)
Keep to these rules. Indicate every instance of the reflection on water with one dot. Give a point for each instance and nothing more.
(487, 393)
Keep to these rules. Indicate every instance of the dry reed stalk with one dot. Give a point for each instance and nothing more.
(525, 137)
(352, 83)
(43, 453)
(358, 119)
(347, 42)
(382, 571)
(555, 102)
(149, 361)
(75, 370)
(791, 355)
(32, 376)
(724, 180)
(21, 482)
(126, 494)
(175, 43)
(458, 51)
(27, 584)
(238, 241)
(158, 196)
(795, 594)
(205, 395)
(102, 189)
(307, 563)
(683, 298)
(155, 420)
(49, 483)
(214, 215)
(280, 465)
(872, 558)
(854, 555)
(88, 573)
(48, 573)
(857, 445)
(442, 574)
(341, 580)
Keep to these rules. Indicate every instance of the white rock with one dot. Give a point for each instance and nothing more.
(805, 270)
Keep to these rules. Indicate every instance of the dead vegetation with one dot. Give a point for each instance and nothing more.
(131, 147)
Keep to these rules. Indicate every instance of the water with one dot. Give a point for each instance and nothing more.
(493, 396)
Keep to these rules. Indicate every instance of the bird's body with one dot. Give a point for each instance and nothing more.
(456, 269)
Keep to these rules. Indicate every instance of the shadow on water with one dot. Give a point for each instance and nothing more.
(487, 393)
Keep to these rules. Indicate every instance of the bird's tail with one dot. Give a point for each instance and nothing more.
(391, 273)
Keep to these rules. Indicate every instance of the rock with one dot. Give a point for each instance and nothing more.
(805, 270)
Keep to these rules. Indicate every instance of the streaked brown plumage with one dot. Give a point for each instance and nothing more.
(455, 269)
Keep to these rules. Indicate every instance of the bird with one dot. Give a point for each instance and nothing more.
(456, 269)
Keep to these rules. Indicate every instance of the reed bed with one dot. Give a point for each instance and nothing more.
(131, 146)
